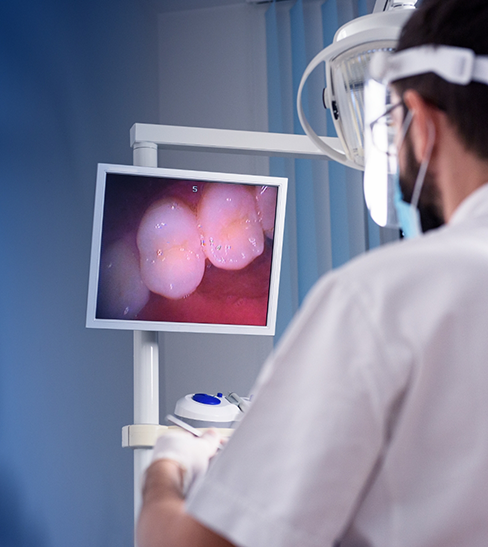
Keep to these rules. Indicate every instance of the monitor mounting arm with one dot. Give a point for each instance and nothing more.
(230, 141)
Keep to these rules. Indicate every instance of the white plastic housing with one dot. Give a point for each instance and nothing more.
(346, 61)
(224, 412)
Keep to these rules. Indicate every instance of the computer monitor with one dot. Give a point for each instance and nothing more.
(187, 251)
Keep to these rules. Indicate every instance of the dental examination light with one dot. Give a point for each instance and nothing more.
(346, 61)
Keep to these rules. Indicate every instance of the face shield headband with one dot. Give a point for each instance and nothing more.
(384, 113)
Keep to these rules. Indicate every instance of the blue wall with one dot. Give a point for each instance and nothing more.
(74, 77)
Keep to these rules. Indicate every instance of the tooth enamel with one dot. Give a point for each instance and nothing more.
(172, 261)
(266, 200)
(122, 293)
(228, 218)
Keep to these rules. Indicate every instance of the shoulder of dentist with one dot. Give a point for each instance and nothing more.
(370, 423)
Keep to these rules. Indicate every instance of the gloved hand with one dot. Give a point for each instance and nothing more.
(191, 453)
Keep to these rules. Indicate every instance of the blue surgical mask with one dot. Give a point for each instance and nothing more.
(407, 214)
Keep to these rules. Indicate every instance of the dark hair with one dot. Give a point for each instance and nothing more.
(460, 23)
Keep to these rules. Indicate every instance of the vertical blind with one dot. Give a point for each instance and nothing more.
(327, 223)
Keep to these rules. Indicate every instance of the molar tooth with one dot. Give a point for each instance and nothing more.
(172, 262)
(266, 201)
(230, 224)
(122, 292)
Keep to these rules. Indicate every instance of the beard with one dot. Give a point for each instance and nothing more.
(429, 204)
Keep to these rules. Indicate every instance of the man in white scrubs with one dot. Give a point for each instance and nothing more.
(370, 423)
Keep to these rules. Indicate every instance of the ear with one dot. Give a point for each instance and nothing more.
(424, 120)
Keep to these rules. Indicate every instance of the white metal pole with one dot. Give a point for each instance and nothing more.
(146, 400)
(146, 361)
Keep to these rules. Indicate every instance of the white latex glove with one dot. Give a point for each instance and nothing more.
(191, 453)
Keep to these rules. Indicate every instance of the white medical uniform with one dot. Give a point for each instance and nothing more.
(371, 421)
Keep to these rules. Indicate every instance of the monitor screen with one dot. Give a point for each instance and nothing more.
(187, 251)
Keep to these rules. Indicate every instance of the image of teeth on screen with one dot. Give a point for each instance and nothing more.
(185, 251)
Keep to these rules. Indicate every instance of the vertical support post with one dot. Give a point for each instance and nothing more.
(146, 400)
(146, 360)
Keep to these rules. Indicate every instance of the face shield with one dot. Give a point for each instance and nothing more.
(380, 149)
(387, 122)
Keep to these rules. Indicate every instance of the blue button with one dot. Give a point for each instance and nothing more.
(206, 399)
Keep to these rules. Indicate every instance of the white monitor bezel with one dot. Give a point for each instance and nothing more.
(92, 321)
